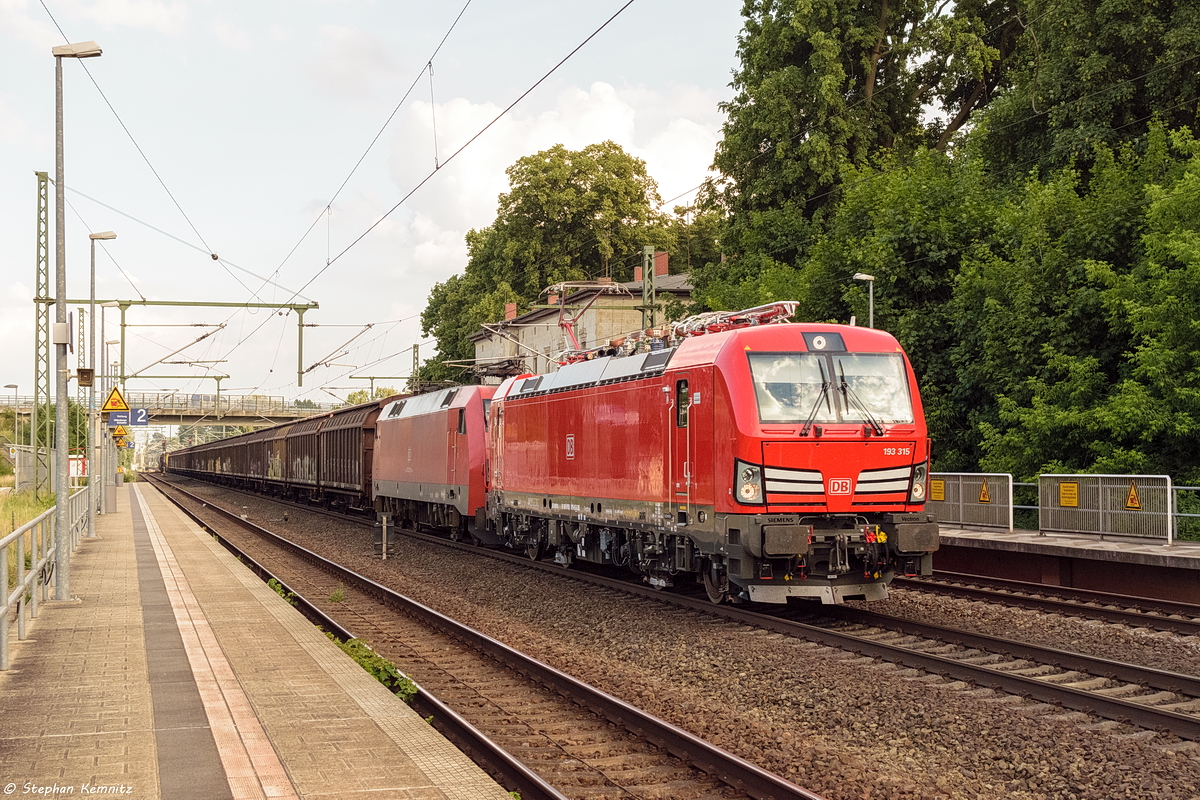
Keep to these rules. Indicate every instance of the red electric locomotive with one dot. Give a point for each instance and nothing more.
(767, 460)
(430, 456)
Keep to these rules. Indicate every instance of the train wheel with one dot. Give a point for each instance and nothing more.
(534, 550)
(716, 585)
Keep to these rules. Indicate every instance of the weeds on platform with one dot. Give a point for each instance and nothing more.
(282, 591)
(380, 668)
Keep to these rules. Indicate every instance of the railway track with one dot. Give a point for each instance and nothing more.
(1048, 680)
(583, 742)
(1139, 612)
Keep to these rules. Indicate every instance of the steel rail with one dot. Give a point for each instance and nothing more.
(1141, 612)
(720, 764)
(1183, 725)
(492, 758)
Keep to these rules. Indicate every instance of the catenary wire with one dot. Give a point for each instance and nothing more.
(468, 143)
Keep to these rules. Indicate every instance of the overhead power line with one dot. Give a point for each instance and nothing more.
(469, 142)
(452, 156)
(382, 128)
(207, 248)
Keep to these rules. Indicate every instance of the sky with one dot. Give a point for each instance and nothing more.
(234, 130)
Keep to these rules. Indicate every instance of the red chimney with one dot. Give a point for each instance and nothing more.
(660, 264)
(510, 311)
(552, 299)
(637, 273)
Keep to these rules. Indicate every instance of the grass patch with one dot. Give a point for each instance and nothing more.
(380, 668)
(339, 594)
(15, 510)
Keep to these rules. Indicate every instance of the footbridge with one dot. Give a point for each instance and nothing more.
(176, 408)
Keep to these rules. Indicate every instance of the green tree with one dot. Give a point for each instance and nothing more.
(1096, 72)
(825, 88)
(77, 426)
(569, 215)
(1116, 389)
(362, 395)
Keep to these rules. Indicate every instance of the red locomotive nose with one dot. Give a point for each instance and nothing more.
(838, 477)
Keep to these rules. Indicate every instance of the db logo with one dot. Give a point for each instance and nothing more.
(571, 447)
(840, 486)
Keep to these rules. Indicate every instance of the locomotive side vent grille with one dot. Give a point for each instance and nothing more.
(793, 481)
(883, 481)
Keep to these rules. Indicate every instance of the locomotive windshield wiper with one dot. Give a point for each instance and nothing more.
(851, 398)
(817, 403)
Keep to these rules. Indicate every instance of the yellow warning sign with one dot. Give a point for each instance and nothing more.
(1068, 495)
(115, 401)
(984, 495)
(120, 442)
(1132, 501)
(937, 491)
(119, 431)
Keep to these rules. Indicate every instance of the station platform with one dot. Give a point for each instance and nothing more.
(174, 672)
(1121, 565)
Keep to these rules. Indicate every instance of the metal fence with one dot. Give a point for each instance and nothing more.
(972, 498)
(28, 561)
(1117, 505)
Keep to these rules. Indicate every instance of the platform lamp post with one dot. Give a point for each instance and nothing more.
(93, 417)
(870, 279)
(61, 338)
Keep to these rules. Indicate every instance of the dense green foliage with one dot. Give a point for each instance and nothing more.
(1032, 244)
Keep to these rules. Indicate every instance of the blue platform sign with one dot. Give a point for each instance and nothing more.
(134, 416)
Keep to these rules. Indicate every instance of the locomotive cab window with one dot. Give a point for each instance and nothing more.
(875, 385)
(681, 404)
(462, 420)
(830, 388)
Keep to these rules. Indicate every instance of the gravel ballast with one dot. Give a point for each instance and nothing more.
(838, 724)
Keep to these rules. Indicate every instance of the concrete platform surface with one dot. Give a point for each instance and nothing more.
(175, 673)
(1126, 550)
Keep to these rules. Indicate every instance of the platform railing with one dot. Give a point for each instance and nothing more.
(1140, 506)
(972, 498)
(27, 556)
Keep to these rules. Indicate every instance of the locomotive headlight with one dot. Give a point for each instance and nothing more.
(748, 483)
(917, 493)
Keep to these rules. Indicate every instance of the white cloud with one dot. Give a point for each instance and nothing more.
(232, 36)
(12, 127)
(681, 154)
(167, 18)
(349, 62)
(20, 292)
(27, 22)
